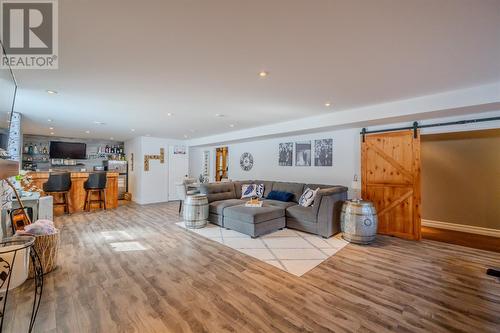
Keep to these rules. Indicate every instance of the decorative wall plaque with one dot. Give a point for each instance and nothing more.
(246, 161)
(160, 157)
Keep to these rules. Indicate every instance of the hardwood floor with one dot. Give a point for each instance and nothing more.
(182, 282)
(481, 242)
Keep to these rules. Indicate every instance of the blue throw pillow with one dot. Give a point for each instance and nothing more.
(280, 196)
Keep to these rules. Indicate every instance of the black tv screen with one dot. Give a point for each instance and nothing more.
(71, 150)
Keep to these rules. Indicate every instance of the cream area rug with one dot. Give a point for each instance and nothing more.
(293, 251)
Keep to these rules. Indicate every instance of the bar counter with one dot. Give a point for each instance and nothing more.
(77, 192)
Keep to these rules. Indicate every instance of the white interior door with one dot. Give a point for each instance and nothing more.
(178, 168)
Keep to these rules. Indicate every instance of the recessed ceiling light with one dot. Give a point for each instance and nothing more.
(192, 130)
(231, 125)
(111, 138)
(87, 131)
(51, 133)
(185, 136)
(132, 129)
(219, 115)
(169, 114)
(263, 74)
(51, 128)
(52, 92)
(148, 134)
(328, 104)
(99, 122)
(49, 120)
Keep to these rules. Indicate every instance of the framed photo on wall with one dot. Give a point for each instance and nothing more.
(179, 150)
(285, 154)
(323, 152)
(303, 153)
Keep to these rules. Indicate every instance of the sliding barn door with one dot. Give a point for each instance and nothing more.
(390, 167)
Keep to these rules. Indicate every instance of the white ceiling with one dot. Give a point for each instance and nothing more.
(129, 63)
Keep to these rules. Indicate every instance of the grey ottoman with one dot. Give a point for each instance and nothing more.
(254, 221)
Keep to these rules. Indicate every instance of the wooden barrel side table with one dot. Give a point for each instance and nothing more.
(195, 211)
(358, 221)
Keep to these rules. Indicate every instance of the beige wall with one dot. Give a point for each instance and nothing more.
(461, 178)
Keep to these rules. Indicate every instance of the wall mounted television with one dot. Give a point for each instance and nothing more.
(68, 150)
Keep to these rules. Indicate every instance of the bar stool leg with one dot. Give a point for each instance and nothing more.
(89, 200)
(100, 199)
(104, 194)
(66, 202)
(86, 198)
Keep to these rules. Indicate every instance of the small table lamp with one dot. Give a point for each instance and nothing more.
(356, 186)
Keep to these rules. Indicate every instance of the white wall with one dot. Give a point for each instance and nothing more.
(346, 151)
(133, 146)
(157, 184)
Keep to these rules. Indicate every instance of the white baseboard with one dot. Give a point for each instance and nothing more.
(461, 227)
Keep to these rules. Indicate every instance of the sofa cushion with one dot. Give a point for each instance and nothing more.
(268, 186)
(295, 188)
(280, 196)
(253, 214)
(252, 190)
(307, 198)
(237, 186)
(217, 207)
(218, 191)
(300, 213)
(280, 204)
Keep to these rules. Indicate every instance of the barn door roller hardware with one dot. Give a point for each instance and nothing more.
(416, 126)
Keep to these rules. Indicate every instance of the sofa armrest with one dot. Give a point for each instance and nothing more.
(328, 205)
(218, 191)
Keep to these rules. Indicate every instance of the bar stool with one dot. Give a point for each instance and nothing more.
(95, 183)
(59, 183)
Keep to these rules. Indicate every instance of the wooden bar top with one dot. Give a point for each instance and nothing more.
(77, 192)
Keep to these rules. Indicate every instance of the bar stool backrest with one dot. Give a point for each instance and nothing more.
(181, 191)
(58, 182)
(96, 180)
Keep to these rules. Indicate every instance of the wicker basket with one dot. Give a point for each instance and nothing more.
(47, 248)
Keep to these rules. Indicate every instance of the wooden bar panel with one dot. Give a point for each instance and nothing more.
(77, 192)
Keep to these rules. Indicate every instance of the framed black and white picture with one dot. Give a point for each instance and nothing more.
(323, 152)
(286, 154)
(303, 153)
(246, 161)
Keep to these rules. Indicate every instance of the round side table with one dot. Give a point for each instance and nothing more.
(358, 221)
(15, 254)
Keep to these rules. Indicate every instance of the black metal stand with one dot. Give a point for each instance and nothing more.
(416, 126)
(21, 244)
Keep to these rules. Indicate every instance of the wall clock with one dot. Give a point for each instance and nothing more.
(246, 161)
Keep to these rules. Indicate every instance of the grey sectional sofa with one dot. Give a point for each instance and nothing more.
(226, 209)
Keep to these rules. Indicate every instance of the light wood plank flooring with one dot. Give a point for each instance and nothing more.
(182, 282)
